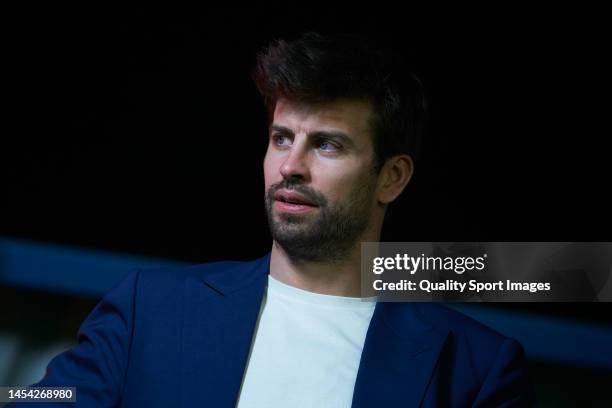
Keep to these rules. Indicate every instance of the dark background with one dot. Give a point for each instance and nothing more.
(139, 131)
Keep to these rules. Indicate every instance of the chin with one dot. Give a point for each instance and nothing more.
(291, 219)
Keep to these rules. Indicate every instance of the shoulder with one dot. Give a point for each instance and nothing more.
(443, 317)
(470, 339)
(169, 274)
(171, 279)
(490, 364)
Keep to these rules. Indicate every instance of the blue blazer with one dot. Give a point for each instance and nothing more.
(180, 337)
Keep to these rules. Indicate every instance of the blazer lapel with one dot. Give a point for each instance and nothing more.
(398, 358)
(221, 309)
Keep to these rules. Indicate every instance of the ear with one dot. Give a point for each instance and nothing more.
(393, 178)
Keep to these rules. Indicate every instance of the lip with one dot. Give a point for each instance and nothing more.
(292, 202)
(292, 197)
(293, 208)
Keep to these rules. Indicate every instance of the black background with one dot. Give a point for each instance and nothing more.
(139, 130)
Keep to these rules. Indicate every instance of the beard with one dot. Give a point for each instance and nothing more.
(327, 234)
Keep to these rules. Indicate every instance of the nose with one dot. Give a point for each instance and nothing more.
(296, 165)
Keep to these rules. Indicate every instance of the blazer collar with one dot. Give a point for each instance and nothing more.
(234, 275)
(399, 355)
(221, 306)
(398, 359)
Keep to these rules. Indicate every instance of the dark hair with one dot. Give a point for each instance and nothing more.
(316, 68)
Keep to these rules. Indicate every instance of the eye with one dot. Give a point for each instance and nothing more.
(281, 140)
(328, 146)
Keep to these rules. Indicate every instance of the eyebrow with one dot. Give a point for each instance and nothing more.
(325, 134)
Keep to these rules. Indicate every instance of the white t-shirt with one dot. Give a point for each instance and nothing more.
(306, 349)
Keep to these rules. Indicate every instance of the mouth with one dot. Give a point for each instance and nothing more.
(293, 202)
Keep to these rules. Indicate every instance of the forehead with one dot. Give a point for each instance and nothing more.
(351, 116)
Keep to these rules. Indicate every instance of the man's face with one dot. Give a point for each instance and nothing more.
(319, 179)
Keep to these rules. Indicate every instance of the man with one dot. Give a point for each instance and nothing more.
(290, 329)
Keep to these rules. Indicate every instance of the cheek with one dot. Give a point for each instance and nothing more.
(338, 184)
(271, 170)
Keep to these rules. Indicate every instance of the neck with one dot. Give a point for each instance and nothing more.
(338, 277)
